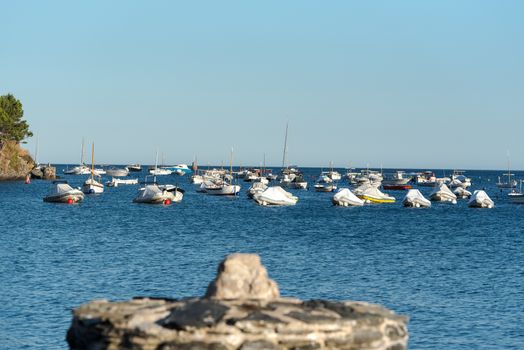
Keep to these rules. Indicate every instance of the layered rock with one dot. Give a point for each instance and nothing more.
(15, 162)
(241, 310)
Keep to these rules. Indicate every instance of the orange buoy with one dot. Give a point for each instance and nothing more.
(70, 201)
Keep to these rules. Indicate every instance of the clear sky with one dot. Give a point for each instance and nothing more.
(431, 84)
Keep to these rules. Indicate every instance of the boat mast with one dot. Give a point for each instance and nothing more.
(92, 162)
(36, 151)
(231, 163)
(82, 153)
(285, 148)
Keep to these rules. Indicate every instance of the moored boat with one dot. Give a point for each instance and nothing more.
(372, 194)
(276, 196)
(155, 194)
(62, 192)
(117, 172)
(442, 193)
(480, 199)
(415, 199)
(462, 193)
(344, 197)
(134, 168)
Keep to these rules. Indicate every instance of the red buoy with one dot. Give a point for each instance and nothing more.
(70, 201)
(167, 201)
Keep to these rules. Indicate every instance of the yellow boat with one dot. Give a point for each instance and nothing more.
(377, 200)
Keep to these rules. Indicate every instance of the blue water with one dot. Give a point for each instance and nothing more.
(457, 272)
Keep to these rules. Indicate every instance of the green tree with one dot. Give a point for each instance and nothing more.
(12, 126)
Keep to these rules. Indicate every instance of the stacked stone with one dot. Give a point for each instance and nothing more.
(241, 310)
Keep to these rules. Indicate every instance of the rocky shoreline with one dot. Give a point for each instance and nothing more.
(242, 309)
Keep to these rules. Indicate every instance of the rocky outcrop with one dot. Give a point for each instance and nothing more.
(45, 172)
(254, 319)
(15, 162)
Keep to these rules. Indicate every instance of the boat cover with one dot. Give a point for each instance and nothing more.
(276, 195)
(480, 199)
(442, 189)
(414, 197)
(344, 195)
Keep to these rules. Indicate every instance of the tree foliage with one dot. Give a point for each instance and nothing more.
(12, 126)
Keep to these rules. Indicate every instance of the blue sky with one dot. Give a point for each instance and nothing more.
(431, 84)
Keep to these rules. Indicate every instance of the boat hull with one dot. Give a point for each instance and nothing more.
(65, 198)
(396, 187)
(375, 199)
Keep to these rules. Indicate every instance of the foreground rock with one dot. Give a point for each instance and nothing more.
(256, 318)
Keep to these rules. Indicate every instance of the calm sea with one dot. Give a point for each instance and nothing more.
(457, 272)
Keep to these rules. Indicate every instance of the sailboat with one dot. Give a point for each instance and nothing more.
(290, 176)
(508, 183)
(80, 169)
(91, 186)
(224, 186)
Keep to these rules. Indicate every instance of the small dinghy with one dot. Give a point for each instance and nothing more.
(371, 194)
(415, 199)
(344, 197)
(480, 199)
(256, 187)
(275, 195)
(61, 192)
(115, 182)
(442, 193)
(159, 194)
(462, 193)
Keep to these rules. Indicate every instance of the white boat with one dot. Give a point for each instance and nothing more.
(99, 171)
(160, 171)
(426, 179)
(81, 169)
(275, 195)
(117, 172)
(134, 168)
(344, 197)
(415, 199)
(325, 184)
(442, 193)
(223, 189)
(371, 194)
(223, 186)
(155, 194)
(255, 188)
(78, 170)
(517, 196)
(508, 182)
(462, 193)
(197, 179)
(61, 192)
(480, 199)
(293, 180)
(115, 182)
(91, 186)
(458, 179)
